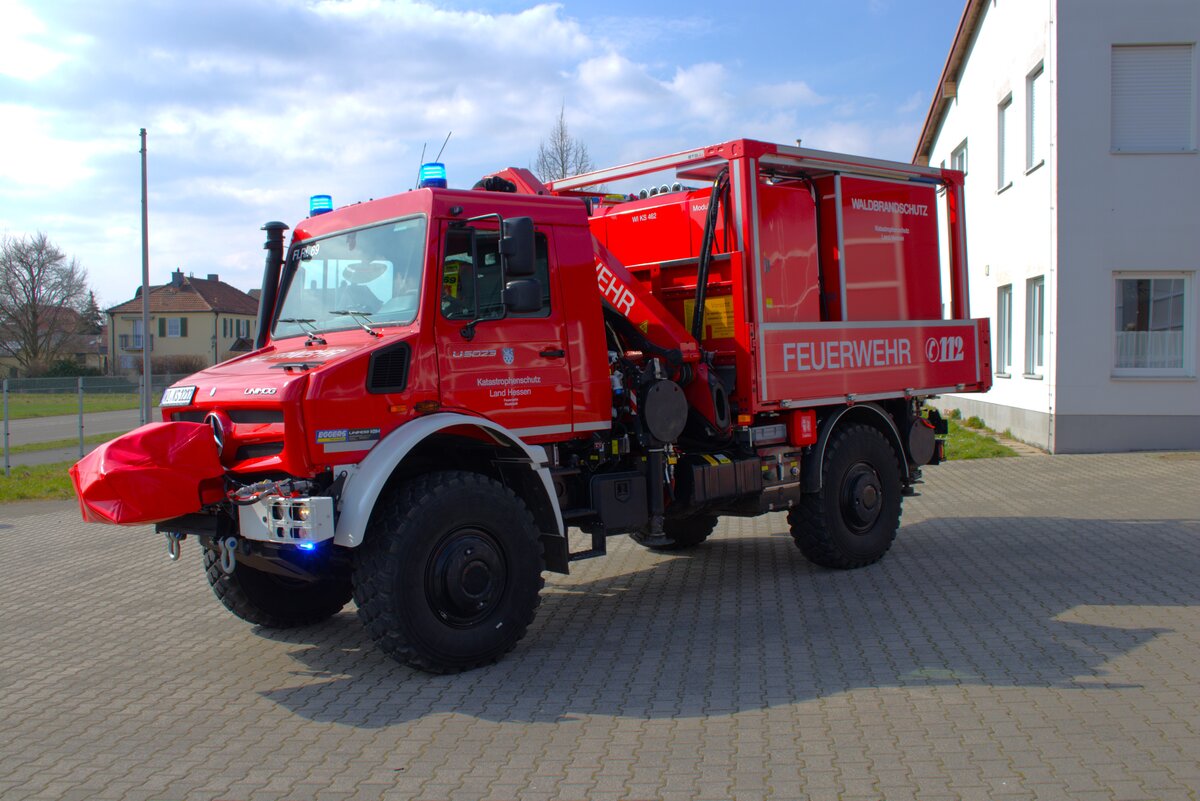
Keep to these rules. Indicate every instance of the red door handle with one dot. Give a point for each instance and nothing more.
(553, 353)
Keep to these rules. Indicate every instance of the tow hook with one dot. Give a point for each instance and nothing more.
(227, 550)
(173, 540)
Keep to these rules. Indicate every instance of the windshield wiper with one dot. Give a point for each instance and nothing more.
(359, 317)
(310, 330)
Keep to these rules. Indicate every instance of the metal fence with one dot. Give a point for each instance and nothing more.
(92, 385)
(80, 388)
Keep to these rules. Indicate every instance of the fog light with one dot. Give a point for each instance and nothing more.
(300, 512)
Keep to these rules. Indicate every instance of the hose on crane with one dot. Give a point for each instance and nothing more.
(720, 192)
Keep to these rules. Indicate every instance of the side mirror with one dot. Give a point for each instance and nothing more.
(523, 296)
(517, 247)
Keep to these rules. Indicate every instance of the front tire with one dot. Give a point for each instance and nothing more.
(853, 520)
(449, 576)
(273, 601)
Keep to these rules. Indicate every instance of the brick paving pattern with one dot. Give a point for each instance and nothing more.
(1033, 634)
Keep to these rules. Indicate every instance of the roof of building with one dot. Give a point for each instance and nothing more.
(947, 88)
(187, 293)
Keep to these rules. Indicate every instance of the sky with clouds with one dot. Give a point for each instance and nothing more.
(251, 106)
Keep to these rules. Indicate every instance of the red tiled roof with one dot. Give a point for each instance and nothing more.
(189, 294)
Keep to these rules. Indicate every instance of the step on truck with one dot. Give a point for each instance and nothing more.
(453, 391)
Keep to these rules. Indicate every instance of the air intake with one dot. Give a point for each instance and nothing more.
(388, 371)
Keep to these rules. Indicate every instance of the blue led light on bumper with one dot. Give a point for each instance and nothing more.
(307, 546)
(433, 174)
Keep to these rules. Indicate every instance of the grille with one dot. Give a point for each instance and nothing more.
(258, 450)
(256, 415)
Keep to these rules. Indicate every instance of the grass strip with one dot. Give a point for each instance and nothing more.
(88, 439)
(966, 443)
(23, 405)
(43, 482)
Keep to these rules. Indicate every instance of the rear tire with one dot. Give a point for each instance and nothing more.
(683, 532)
(449, 575)
(853, 520)
(276, 602)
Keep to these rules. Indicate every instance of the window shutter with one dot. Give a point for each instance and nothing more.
(1153, 98)
(183, 326)
(162, 327)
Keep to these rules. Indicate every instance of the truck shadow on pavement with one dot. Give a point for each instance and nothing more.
(744, 622)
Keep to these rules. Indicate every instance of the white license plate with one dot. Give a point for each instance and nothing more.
(177, 396)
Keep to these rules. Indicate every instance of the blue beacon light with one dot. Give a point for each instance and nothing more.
(433, 174)
(319, 204)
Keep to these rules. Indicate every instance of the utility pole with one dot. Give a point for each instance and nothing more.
(146, 405)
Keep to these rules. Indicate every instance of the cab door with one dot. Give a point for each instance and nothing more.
(512, 368)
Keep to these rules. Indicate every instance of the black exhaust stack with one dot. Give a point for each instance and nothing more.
(270, 285)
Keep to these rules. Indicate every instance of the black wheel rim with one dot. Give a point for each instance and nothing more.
(861, 498)
(465, 577)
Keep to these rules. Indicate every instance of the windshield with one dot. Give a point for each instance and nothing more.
(373, 272)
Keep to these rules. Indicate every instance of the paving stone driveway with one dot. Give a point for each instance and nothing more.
(1034, 633)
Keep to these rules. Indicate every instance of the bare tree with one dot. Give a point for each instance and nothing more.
(41, 295)
(562, 154)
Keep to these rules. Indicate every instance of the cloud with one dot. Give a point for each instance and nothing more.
(24, 53)
(253, 105)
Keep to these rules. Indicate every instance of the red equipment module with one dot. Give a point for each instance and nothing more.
(823, 275)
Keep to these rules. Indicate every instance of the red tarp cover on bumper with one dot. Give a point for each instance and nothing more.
(153, 473)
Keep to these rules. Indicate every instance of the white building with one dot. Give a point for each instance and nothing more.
(1076, 123)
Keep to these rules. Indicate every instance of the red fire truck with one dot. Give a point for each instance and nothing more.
(451, 386)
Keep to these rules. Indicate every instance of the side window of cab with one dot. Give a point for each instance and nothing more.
(472, 281)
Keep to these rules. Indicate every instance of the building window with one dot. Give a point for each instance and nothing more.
(1154, 324)
(1004, 329)
(958, 158)
(1002, 166)
(172, 326)
(1035, 116)
(1153, 98)
(225, 327)
(1035, 326)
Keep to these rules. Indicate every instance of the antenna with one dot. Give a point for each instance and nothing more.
(422, 161)
(439, 155)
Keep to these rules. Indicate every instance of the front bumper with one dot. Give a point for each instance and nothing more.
(301, 521)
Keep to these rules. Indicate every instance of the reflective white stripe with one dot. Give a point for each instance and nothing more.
(863, 324)
(345, 447)
(840, 399)
(542, 431)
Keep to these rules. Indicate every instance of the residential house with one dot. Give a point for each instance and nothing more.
(69, 342)
(1076, 124)
(202, 318)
